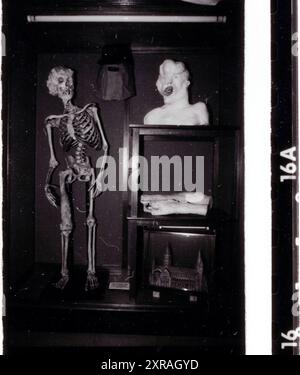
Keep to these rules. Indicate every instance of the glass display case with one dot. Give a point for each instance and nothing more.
(201, 296)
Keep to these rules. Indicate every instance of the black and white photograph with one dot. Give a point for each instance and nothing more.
(125, 180)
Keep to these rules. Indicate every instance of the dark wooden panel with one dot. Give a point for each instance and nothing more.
(20, 159)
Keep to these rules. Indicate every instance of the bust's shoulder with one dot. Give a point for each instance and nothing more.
(152, 116)
(201, 111)
(200, 106)
(155, 111)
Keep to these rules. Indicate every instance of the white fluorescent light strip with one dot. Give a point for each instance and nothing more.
(118, 18)
(258, 209)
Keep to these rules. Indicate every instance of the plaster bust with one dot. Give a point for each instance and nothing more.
(172, 84)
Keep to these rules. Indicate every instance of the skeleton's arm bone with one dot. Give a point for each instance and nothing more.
(98, 189)
(104, 142)
(53, 162)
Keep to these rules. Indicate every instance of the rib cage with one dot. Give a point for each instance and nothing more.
(85, 128)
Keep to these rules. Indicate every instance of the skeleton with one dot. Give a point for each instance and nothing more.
(80, 129)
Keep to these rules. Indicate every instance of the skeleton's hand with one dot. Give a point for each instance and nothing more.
(98, 187)
(50, 195)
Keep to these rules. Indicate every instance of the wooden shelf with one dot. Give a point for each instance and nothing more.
(212, 220)
(194, 131)
(186, 127)
(37, 291)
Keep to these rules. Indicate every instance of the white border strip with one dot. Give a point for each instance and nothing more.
(1, 204)
(298, 146)
(257, 160)
(258, 238)
(118, 18)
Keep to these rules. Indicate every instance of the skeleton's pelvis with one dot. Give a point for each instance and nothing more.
(82, 171)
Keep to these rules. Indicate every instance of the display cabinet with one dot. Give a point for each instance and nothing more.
(222, 154)
(129, 243)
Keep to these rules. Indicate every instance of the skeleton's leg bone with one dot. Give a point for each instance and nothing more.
(92, 280)
(66, 227)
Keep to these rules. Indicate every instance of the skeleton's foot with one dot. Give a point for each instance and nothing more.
(91, 281)
(62, 282)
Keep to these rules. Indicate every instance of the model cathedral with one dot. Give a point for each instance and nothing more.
(172, 277)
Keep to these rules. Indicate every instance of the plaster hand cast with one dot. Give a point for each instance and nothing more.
(178, 203)
(172, 84)
(80, 130)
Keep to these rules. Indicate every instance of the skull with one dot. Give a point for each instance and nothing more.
(60, 82)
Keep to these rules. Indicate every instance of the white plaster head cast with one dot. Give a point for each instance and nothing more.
(172, 84)
(173, 81)
(61, 83)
